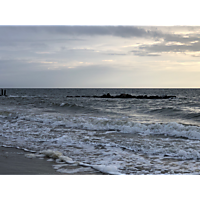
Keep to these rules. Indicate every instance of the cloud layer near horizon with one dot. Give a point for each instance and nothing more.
(99, 56)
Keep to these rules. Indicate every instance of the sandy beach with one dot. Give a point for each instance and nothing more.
(14, 162)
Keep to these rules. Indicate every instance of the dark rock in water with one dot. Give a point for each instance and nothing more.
(106, 96)
(124, 96)
(154, 97)
(130, 96)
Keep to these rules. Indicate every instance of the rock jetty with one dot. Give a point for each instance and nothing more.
(129, 96)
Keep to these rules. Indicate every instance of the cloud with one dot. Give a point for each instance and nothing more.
(143, 53)
(87, 76)
(57, 33)
(164, 47)
(20, 66)
(81, 49)
(120, 31)
(44, 38)
(66, 56)
(116, 54)
(172, 45)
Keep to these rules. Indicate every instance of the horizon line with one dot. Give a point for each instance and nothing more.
(100, 87)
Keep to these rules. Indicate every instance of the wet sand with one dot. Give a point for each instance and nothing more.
(14, 162)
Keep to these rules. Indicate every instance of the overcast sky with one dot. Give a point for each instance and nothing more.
(99, 56)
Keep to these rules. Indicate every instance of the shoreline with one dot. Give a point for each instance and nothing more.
(14, 162)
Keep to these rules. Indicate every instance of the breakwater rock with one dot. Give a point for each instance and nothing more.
(129, 96)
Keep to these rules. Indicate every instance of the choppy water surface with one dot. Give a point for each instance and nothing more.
(114, 136)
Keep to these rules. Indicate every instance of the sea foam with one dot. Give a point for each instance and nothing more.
(56, 155)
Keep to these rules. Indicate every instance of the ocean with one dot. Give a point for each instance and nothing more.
(110, 135)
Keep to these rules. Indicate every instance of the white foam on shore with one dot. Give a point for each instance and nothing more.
(109, 169)
(57, 155)
(30, 156)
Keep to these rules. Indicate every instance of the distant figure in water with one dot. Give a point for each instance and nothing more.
(3, 92)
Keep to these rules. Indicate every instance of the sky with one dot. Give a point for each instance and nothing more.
(100, 56)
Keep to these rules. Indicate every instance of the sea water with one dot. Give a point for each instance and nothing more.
(113, 136)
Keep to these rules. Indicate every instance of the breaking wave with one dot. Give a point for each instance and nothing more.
(120, 125)
(171, 129)
(50, 135)
(68, 105)
(165, 110)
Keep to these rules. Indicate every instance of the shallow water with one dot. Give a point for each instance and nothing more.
(114, 136)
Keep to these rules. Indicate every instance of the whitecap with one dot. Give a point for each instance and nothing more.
(109, 169)
(62, 104)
